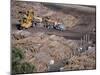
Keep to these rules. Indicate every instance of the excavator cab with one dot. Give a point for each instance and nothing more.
(27, 19)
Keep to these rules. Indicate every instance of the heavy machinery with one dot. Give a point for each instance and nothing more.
(26, 20)
(52, 24)
(60, 27)
(30, 20)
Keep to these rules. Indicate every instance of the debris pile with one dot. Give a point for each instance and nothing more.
(40, 48)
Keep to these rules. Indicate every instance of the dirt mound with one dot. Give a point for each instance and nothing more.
(40, 48)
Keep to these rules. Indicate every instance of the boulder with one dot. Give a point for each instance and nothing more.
(20, 34)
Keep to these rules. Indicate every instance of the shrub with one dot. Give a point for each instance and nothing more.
(17, 55)
(17, 66)
(22, 68)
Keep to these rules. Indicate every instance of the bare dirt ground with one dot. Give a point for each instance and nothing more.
(41, 45)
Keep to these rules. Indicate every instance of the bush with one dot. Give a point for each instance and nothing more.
(17, 55)
(17, 66)
(22, 68)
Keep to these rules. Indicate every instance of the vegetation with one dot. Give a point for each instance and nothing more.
(17, 66)
(17, 55)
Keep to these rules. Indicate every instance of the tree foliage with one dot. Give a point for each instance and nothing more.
(17, 66)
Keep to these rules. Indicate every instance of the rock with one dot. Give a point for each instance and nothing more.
(20, 34)
(57, 66)
(56, 38)
(40, 48)
(42, 57)
(60, 27)
(62, 69)
(41, 61)
(51, 62)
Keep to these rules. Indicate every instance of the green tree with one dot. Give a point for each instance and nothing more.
(17, 66)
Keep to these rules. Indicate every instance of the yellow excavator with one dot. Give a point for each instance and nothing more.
(29, 19)
(26, 20)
